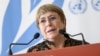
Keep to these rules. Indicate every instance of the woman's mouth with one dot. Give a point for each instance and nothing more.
(51, 30)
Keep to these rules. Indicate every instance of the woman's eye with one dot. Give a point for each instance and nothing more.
(52, 18)
(42, 21)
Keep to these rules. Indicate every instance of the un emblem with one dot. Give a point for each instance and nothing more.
(78, 6)
(96, 4)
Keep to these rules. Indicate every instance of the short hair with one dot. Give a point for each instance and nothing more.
(50, 8)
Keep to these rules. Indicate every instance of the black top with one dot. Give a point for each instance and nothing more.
(47, 45)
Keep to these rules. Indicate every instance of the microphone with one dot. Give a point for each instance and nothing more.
(35, 37)
(64, 33)
(67, 35)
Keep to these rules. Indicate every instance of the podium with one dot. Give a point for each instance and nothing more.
(81, 50)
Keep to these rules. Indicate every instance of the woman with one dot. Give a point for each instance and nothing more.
(50, 19)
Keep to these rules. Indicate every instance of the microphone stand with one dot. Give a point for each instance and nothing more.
(67, 35)
(35, 37)
(83, 42)
(10, 51)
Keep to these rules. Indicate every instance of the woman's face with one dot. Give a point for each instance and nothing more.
(50, 23)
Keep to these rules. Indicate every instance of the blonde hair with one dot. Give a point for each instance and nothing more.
(50, 8)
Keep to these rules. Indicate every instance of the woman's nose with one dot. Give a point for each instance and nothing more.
(48, 23)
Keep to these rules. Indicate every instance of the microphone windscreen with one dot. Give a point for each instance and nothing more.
(36, 35)
(61, 31)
